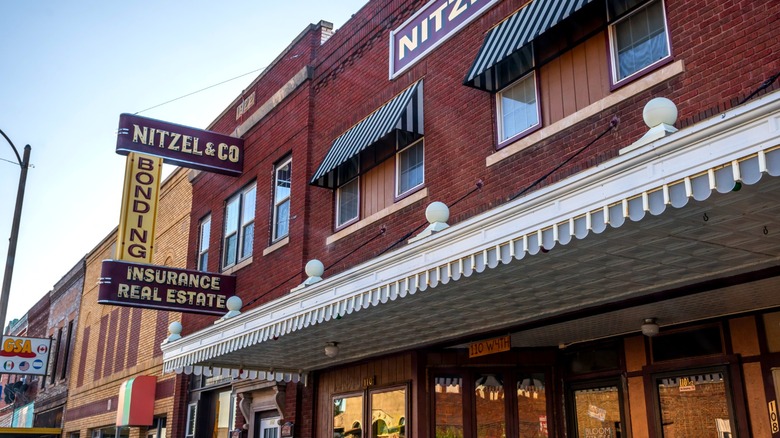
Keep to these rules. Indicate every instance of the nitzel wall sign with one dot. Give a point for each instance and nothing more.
(430, 26)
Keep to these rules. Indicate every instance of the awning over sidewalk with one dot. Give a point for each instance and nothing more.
(469, 279)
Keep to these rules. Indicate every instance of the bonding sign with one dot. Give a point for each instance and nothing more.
(25, 355)
(139, 208)
(430, 26)
(160, 287)
(181, 145)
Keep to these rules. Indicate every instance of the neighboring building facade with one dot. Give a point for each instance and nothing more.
(22, 387)
(592, 276)
(37, 402)
(63, 314)
(114, 346)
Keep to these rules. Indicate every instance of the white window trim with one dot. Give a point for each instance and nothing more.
(398, 170)
(500, 110)
(613, 46)
(241, 231)
(191, 433)
(201, 240)
(338, 204)
(278, 202)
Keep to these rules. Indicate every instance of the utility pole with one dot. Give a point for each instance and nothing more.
(9, 261)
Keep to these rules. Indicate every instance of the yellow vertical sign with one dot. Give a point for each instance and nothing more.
(139, 208)
(773, 421)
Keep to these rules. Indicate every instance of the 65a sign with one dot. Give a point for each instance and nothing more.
(21, 355)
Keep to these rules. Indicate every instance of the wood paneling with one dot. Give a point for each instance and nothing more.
(377, 189)
(574, 80)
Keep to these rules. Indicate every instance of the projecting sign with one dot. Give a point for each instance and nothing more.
(180, 145)
(25, 355)
(160, 287)
(430, 26)
(139, 208)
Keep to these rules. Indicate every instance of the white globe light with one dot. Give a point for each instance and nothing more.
(175, 328)
(315, 268)
(234, 303)
(437, 212)
(659, 110)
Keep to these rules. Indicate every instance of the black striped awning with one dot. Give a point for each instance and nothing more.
(510, 38)
(403, 112)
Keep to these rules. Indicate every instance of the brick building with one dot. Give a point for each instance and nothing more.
(115, 345)
(599, 263)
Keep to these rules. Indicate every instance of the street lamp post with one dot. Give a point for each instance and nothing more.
(9, 261)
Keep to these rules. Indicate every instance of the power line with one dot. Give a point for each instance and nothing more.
(201, 90)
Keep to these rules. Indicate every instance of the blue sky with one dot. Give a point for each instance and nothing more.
(68, 69)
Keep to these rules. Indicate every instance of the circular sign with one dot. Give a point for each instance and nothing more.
(37, 364)
(24, 365)
(42, 349)
(8, 365)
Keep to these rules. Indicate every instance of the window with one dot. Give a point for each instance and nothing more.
(192, 410)
(347, 202)
(448, 407)
(203, 245)
(239, 227)
(490, 410)
(638, 40)
(267, 424)
(410, 164)
(695, 403)
(66, 353)
(532, 405)
(597, 410)
(388, 413)
(282, 179)
(225, 415)
(517, 108)
(56, 357)
(348, 416)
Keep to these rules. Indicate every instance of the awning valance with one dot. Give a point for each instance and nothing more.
(404, 112)
(512, 36)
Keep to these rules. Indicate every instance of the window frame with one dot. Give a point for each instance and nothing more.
(192, 419)
(614, 76)
(201, 266)
(279, 202)
(369, 405)
(242, 226)
(339, 224)
(618, 382)
(363, 404)
(500, 115)
(397, 177)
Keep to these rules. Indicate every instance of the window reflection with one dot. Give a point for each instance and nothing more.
(388, 414)
(598, 412)
(490, 413)
(347, 417)
(694, 406)
(448, 402)
(532, 406)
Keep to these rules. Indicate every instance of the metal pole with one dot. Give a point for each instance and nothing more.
(9, 261)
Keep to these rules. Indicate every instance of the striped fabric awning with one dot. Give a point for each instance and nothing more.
(403, 112)
(513, 34)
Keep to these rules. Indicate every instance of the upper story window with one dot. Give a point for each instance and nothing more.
(379, 160)
(203, 243)
(239, 226)
(282, 181)
(347, 202)
(517, 107)
(410, 168)
(637, 40)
